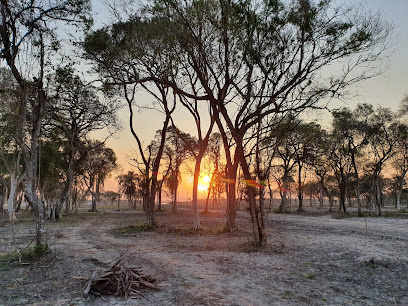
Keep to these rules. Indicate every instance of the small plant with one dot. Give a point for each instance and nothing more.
(133, 229)
(24, 255)
(308, 276)
(287, 294)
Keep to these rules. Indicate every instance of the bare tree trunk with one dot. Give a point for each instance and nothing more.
(159, 195)
(400, 188)
(196, 213)
(378, 195)
(231, 172)
(10, 202)
(300, 189)
(284, 200)
(151, 217)
(257, 214)
(174, 204)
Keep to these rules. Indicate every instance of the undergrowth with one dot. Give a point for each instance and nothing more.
(133, 229)
(30, 254)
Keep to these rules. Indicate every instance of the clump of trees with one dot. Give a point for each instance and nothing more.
(245, 71)
(250, 63)
(46, 120)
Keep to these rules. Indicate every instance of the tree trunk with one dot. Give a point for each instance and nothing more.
(151, 217)
(230, 186)
(378, 195)
(159, 195)
(93, 202)
(342, 190)
(174, 204)
(196, 214)
(10, 202)
(284, 200)
(400, 188)
(257, 214)
(300, 190)
(68, 188)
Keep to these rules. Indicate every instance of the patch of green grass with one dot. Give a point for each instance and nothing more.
(287, 294)
(342, 215)
(133, 229)
(308, 276)
(24, 255)
(324, 299)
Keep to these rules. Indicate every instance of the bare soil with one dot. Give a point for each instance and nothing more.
(311, 259)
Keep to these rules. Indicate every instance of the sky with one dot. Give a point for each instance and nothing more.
(386, 90)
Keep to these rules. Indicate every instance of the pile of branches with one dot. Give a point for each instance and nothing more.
(120, 280)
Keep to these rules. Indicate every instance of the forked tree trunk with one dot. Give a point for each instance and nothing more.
(257, 214)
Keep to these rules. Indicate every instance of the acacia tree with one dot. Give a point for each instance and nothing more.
(26, 31)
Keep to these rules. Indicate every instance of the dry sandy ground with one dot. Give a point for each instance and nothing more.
(310, 260)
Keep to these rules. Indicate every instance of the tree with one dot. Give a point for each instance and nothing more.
(352, 128)
(214, 157)
(129, 186)
(78, 110)
(382, 140)
(10, 154)
(101, 161)
(400, 160)
(110, 49)
(27, 28)
(305, 136)
(176, 152)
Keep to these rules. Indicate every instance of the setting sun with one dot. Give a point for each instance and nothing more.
(206, 178)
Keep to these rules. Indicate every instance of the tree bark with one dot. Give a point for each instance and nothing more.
(12, 193)
(196, 213)
(300, 189)
(230, 185)
(257, 214)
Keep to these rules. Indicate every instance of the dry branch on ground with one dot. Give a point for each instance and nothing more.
(120, 280)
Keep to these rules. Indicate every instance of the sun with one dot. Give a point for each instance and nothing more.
(206, 178)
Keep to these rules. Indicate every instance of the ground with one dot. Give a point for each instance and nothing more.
(311, 259)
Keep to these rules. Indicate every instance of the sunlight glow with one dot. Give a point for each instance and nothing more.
(206, 178)
(202, 187)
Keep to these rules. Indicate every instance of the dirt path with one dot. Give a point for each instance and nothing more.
(310, 261)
